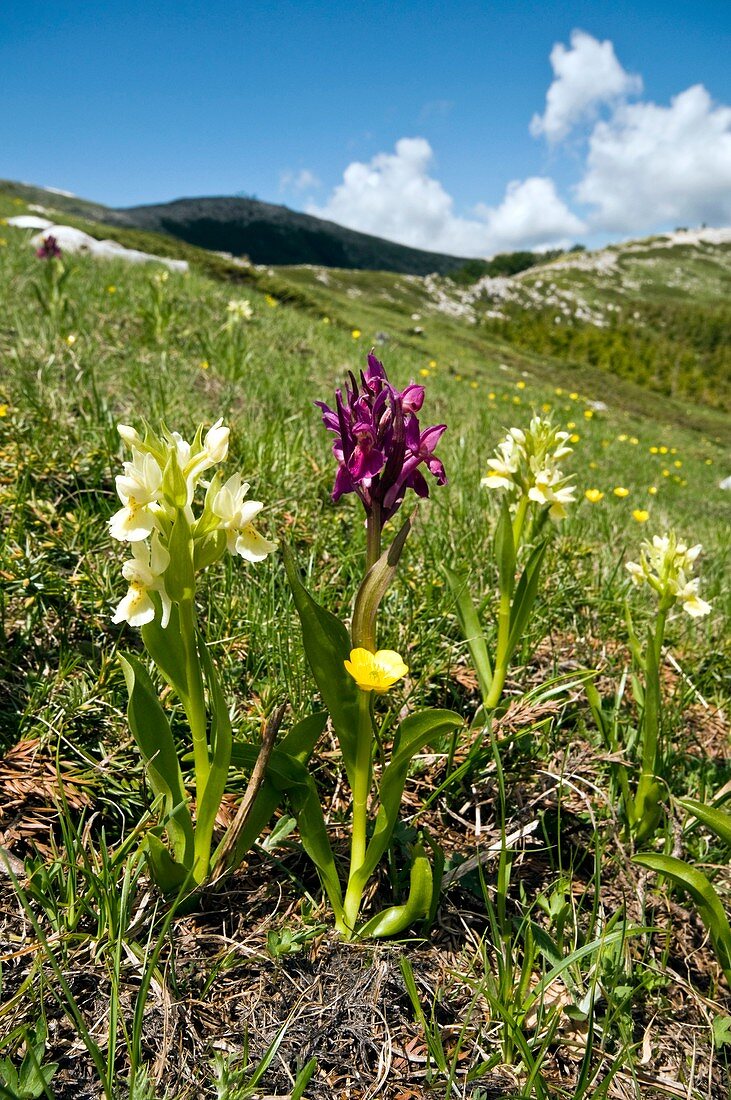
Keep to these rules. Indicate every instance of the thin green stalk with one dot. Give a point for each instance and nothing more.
(361, 790)
(373, 536)
(502, 656)
(194, 702)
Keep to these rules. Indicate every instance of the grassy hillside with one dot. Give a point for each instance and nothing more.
(555, 967)
(261, 231)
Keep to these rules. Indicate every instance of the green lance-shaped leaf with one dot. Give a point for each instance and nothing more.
(417, 906)
(710, 907)
(373, 589)
(286, 769)
(505, 549)
(718, 821)
(166, 871)
(179, 575)
(220, 757)
(151, 730)
(647, 808)
(166, 648)
(305, 800)
(414, 733)
(525, 596)
(469, 624)
(327, 647)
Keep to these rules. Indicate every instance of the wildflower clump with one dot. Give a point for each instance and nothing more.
(175, 530)
(525, 467)
(666, 565)
(379, 448)
(158, 493)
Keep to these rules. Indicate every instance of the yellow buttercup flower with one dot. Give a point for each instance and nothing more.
(677, 464)
(588, 413)
(663, 450)
(594, 495)
(3, 410)
(652, 490)
(424, 372)
(375, 671)
(432, 363)
(111, 290)
(574, 396)
(574, 438)
(641, 515)
(520, 385)
(356, 334)
(620, 491)
(271, 301)
(491, 396)
(654, 450)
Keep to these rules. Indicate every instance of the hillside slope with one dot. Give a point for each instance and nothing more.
(630, 322)
(262, 231)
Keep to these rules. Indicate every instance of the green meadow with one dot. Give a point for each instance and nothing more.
(553, 965)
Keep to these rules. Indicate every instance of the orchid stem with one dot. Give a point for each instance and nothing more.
(373, 535)
(194, 703)
(361, 790)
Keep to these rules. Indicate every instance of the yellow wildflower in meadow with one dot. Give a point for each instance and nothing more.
(641, 515)
(621, 492)
(271, 301)
(356, 334)
(376, 672)
(594, 495)
(652, 490)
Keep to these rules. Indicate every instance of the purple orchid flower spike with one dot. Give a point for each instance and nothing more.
(379, 445)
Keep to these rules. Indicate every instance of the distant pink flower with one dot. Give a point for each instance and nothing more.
(50, 249)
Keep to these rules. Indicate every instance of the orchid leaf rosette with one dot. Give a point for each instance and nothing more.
(381, 453)
(177, 521)
(526, 472)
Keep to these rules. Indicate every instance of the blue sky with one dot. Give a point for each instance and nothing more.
(427, 107)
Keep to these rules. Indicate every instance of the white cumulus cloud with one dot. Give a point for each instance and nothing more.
(531, 211)
(586, 75)
(650, 166)
(303, 180)
(395, 196)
